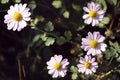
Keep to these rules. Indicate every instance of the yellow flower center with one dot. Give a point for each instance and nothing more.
(93, 44)
(87, 65)
(92, 13)
(17, 16)
(57, 66)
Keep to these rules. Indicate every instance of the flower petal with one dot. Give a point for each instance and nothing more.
(86, 9)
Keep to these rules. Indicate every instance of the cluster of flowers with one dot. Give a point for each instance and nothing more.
(93, 44)
(19, 14)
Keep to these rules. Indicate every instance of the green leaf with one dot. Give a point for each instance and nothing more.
(101, 25)
(74, 69)
(32, 5)
(105, 20)
(41, 18)
(74, 76)
(4, 1)
(17, 1)
(118, 59)
(61, 40)
(66, 14)
(57, 4)
(36, 38)
(68, 35)
(49, 41)
(76, 7)
(109, 53)
(112, 2)
(113, 50)
(49, 26)
(43, 37)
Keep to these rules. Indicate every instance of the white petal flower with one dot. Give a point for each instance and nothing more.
(17, 17)
(57, 66)
(93, 43)
(95, 13)
(87, 65)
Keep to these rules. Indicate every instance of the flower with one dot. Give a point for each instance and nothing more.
(57, 66)
(95, 13)
(17, 17)
(93, 43)
(87, 65)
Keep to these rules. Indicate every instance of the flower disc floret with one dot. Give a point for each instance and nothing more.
(93, 44)
(92, 13)
(17, 16)
(57, 66)
(87, 65)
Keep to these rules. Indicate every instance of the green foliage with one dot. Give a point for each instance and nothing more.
(49, 27)
(61, 40)
(17, 1)
(57, 3)
(66, 14)
(74, 69)
(66, 38)
(57, 27)
(74, 75)
(49, 41)
(113, 51)
(43, 36)
(32, 5)
(4, 1)
(105, 20)
(68, 35)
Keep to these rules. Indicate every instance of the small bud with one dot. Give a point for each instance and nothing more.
(108, 33)
(72, 51)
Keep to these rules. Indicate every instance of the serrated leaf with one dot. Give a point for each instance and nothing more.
(101, 25)
(32, 5)
(105, 20)
(113, 50)
(74, 69)
(49, 26)
(49, 41)
(74, 76)
(61, 40)
(4, 1)
(66, 14)
(57, 4)
(109, 53)
(43, 37)
(68, 35)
